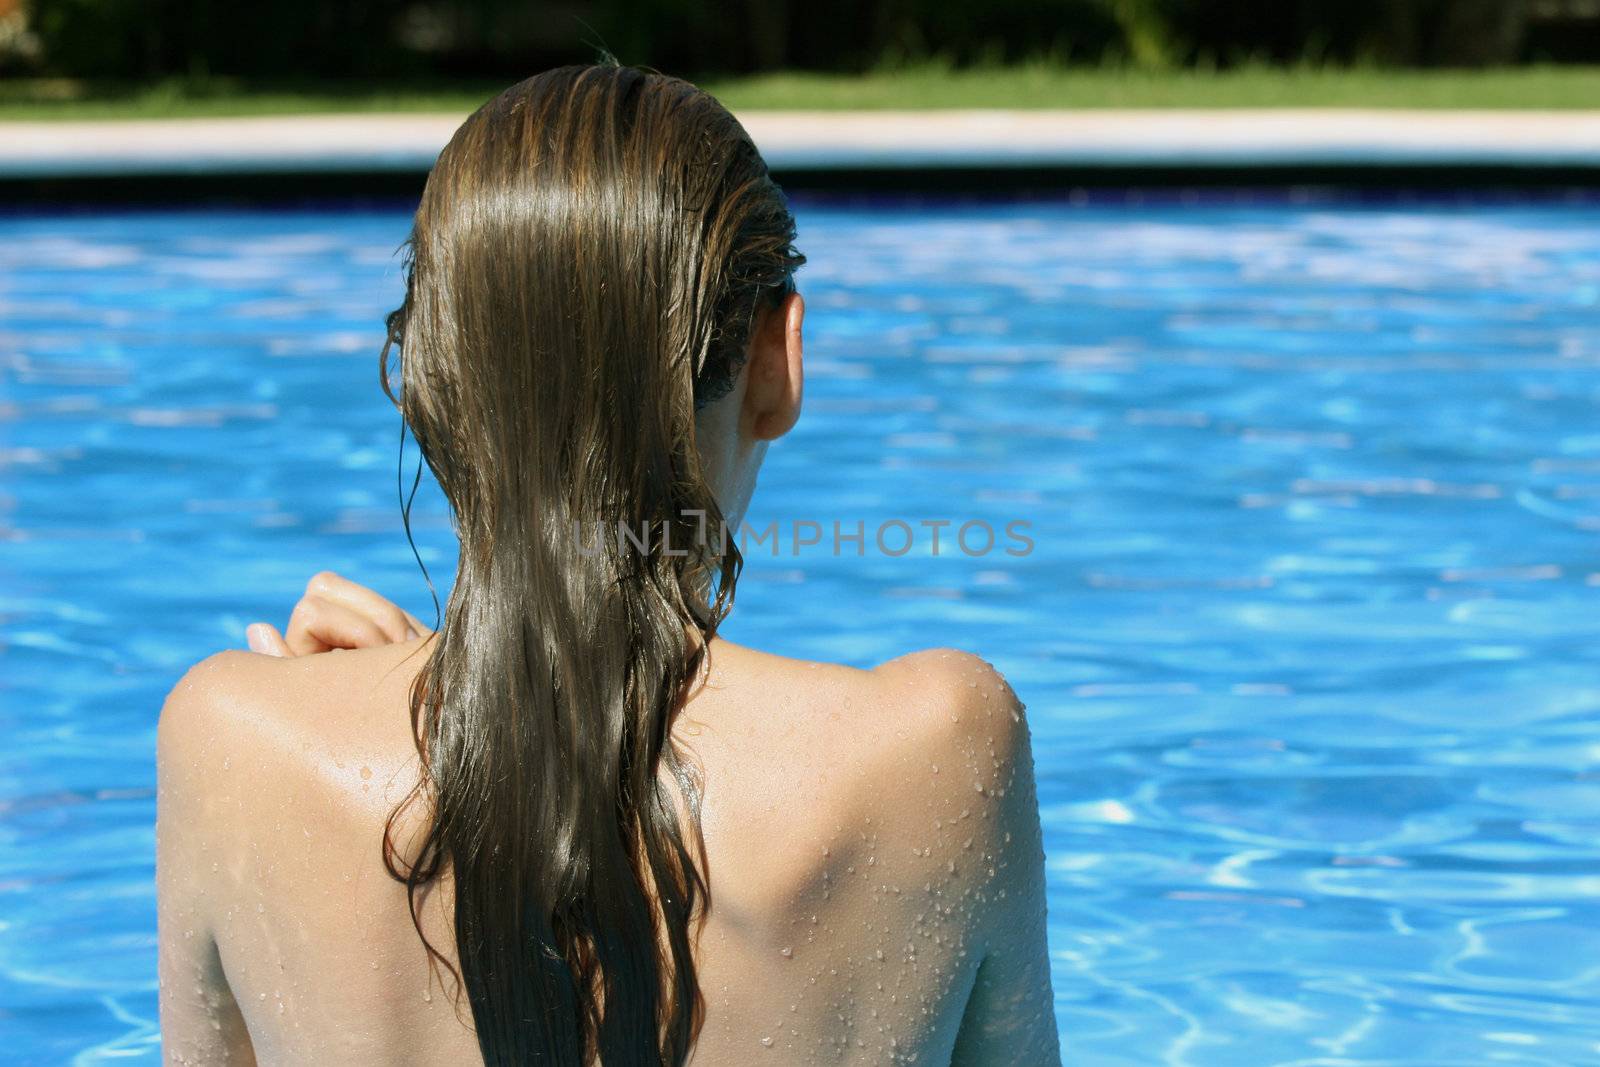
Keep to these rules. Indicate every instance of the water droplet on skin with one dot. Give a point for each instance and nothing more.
(767, 1042)
(935, 768)
(787, 953)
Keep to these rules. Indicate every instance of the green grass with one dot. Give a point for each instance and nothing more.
(1038, 86)
(66, 100)
(915, 86)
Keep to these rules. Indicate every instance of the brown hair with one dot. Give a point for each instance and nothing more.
(589, 257)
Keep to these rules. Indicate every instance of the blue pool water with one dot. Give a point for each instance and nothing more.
(1309, 633)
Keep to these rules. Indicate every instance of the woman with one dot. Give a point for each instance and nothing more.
(575, 825)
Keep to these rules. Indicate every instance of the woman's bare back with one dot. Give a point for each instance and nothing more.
(871, 840)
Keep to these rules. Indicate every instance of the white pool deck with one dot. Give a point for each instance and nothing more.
(867, 139)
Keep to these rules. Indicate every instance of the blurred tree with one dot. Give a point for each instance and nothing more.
(19, 45)
(148, 39)
(1564, 31)
(1007, 30)
(492, 39)
(93, 38)
(1395, 32)
(1455, 33)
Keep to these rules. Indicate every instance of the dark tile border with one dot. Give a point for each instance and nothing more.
(1232, 185)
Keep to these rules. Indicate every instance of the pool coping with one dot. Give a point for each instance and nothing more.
(851, 141)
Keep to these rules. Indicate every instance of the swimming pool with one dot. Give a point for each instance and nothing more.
(1308, 634)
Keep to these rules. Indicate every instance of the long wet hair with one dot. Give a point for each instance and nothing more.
(589, 258)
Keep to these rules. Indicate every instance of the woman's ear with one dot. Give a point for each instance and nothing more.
(777, 373)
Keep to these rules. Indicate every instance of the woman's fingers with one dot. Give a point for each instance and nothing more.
(336, 613)
(319, 625)
(417, 629)
(395, 624)
(263, 637)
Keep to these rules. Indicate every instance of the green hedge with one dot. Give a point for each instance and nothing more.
(287, 40)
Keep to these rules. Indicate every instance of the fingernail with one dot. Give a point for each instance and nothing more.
(256, 636)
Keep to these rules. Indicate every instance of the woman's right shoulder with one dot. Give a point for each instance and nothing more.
(945, 782)
(946, 701)
(921, 764)
(940, 702)
(945, 676)
(929, 736)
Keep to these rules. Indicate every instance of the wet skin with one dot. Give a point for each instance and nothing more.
(872, 845)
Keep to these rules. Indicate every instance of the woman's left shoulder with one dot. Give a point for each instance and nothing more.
(210, 720)
(233, 684)
(211, 692)
(270, 720)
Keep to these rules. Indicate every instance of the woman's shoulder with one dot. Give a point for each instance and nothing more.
(236, 685)
(961, 731)
(239, 728)
(917, 743)
(204, 710)
(234, 688)
(939, 682)
(921, 682)
(897, 788)
(931, 701)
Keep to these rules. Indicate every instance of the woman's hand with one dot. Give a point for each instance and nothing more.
(336, 613)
